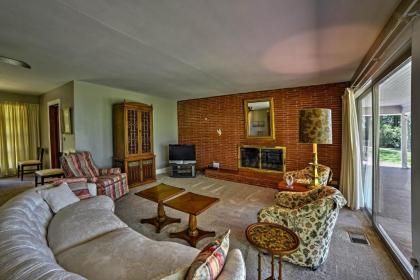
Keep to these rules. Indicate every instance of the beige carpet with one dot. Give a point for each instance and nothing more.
(12, 186)
(238, 208)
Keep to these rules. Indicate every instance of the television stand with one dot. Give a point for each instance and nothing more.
(182, 170)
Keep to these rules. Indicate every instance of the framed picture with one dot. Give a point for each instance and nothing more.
(67, 125)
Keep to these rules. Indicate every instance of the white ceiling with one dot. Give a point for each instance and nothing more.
(186, 48)
(395, 90)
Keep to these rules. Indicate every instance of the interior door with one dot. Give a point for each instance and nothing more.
(54, 114)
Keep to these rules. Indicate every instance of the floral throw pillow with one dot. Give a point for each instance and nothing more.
(210, 261)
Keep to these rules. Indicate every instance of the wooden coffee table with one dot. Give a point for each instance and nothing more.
(193, 204)
(273, 239)
(159, 194)
(296, 187)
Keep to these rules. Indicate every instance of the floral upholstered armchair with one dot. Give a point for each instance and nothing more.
(312, 216)
(304, 176)
(109, 181)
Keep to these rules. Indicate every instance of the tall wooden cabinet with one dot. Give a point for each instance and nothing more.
(133, 142)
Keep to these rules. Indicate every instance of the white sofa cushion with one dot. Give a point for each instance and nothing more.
(81, 222)
(102, 202)
(59, 197)
(126, 254)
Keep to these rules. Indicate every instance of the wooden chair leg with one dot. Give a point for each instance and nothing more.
(22, 170)
(18, 169)
(36, 180)
(42, 180)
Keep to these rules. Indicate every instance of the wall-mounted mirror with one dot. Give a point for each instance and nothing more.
(259, 118)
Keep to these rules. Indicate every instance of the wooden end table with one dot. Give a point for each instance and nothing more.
(194, 205)
(159, 194)
(273, 239)
(296, 187)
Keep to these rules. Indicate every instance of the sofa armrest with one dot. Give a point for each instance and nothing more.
(69, 180)
(234, 268)
(109, 171)
(83, 179)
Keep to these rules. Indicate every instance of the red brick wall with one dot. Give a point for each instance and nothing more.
(198, 120)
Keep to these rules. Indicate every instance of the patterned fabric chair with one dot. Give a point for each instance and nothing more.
(312, 216)
(304, 176)
(109, 181)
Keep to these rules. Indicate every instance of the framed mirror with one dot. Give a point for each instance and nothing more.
(259, 118)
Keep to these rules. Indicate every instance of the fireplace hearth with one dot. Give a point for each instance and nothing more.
(262, 158)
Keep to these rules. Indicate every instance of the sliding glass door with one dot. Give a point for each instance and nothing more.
(392, 213)
(384, 112)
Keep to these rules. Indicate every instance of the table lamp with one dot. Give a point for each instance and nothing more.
(315, 127)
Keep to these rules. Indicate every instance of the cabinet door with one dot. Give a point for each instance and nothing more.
(146, 132)
(148, 169)
(132, 132)
(134, 173)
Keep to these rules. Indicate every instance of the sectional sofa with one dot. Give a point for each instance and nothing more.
(85, 240)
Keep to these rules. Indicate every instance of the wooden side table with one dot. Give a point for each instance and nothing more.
(273, 239)
(159, 194)
(296, 187)
(193, 204)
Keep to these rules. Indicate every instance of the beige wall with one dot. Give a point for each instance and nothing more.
(65, 95)
(93, 121)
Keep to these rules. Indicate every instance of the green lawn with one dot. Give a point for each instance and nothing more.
(392, 156)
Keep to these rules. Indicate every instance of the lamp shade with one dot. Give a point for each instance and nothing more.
(315, 126)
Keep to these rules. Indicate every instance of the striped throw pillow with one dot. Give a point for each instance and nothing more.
(210, 261)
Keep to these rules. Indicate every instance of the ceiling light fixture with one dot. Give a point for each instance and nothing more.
(14, 62)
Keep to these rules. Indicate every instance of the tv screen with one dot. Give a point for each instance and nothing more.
(181, 152)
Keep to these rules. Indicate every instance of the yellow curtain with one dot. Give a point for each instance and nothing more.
(19, 135)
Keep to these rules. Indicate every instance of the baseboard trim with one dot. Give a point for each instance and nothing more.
(164, 170)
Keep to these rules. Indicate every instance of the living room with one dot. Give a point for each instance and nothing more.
(209, 140)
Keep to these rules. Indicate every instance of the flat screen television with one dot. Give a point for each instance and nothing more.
(181, 153)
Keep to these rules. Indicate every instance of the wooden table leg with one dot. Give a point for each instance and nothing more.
(280, 268)
(272, 267)
(161, 220)
(192, 234)
(259, 266)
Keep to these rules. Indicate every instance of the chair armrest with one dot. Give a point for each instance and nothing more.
(234, 268)
(92, 189)
(274, 214)
(290, 199)
(110, 171)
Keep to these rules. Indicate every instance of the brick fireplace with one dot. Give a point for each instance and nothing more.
(216, 125)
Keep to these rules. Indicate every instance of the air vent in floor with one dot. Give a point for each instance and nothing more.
(358, 238)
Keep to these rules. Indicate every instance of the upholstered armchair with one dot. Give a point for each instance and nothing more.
(304, 176)
(312, 216)
(109, 181)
